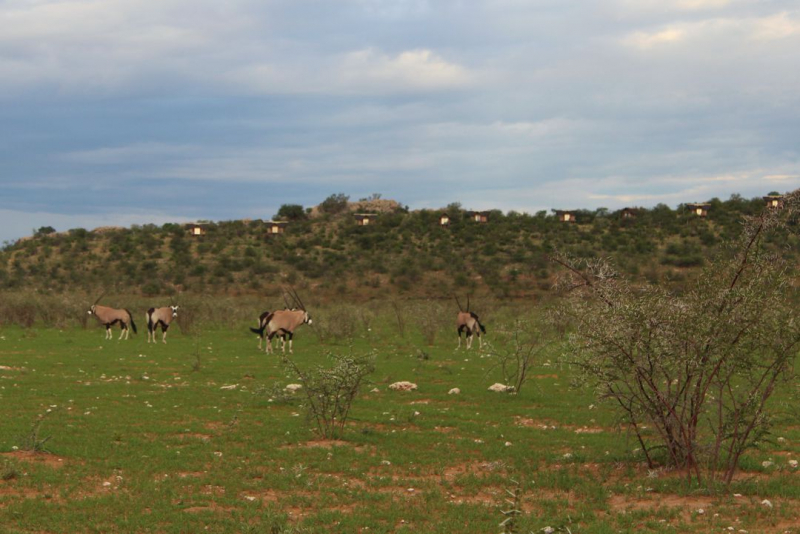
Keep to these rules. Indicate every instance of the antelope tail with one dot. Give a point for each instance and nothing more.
(475, 316)
(259, 331)
(133, 325)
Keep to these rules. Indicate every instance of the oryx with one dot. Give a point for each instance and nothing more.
(467, 321)
(160, 316)
(284, 322)
(110, 316)
(262, 328)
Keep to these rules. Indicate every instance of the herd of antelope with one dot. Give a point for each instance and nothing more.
(280, 323)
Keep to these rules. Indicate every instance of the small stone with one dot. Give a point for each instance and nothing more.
(766, 503)
(403, 386)
(454, 391)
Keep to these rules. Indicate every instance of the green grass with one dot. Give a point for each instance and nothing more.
(144, 440)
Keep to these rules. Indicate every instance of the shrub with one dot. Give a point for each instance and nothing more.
(291, 212)
(699, 368)
(330, 392)
(334, 204)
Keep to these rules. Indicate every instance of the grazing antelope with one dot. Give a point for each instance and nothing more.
(160, 316)
(284, 322)
(110, 316)
(468, 322)
(262, 328)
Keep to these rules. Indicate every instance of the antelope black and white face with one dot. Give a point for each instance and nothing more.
(174, 311)
(306, 318)
(92, 309)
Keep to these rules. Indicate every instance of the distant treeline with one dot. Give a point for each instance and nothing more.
(399, 253)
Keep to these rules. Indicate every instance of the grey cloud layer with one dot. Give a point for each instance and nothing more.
(205, 109)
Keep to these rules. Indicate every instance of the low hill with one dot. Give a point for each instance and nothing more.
(399, 252)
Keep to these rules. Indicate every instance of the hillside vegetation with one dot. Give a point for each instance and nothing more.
(400, 253)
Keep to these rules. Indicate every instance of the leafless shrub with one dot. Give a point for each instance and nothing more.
(187, 319)
(19, 308)
(699, 368)
(340, 324)
(514, 354)
(330, 392)
(33, 440)
(430, 318)
(366, 317)
(400, 319)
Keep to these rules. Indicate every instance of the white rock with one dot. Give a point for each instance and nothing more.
(454, 391)
(548, 530)
(766, 503)
(501, 388)
(292, 388)
(793, 464)
(375, 390)
(403, 386)
(232, 386)
(766, 463)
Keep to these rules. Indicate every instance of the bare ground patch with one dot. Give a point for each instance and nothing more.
(40, 458)
(185, 436)
(210, 507)
(548, 424)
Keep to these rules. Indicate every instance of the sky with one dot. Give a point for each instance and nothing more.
(122, 112)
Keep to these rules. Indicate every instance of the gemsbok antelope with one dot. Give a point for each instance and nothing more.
(467, 321)
(262, 328)
(284, 322)
(160, 316)
(110, 316)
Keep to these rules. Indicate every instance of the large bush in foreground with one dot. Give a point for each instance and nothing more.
(700, 368)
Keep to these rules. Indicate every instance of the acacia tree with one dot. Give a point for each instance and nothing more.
(699, 368)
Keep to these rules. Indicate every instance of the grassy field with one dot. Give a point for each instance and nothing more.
(189, 437)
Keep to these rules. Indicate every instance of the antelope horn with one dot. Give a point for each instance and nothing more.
(467, 302)
(286, 300)
(297, 298)
(103, 294)
(460, 308)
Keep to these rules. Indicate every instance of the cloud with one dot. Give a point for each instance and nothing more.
(778, 26)
(361, 72)
(412, 69)
(645, 40)
(662, 6)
